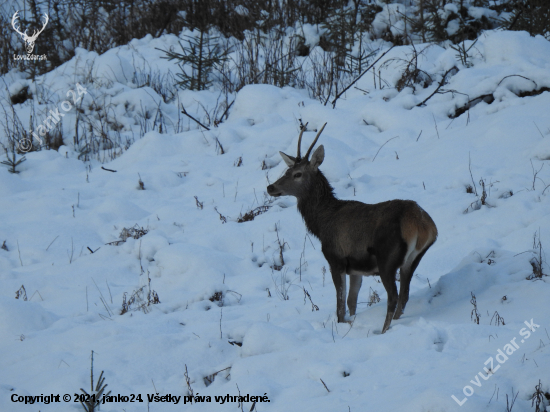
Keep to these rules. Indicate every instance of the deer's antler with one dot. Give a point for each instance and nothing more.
(314, 141)
(13, 21)
(25, 36)
(302, 128)
(36, 33)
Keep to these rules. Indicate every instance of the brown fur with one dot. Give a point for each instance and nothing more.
(416, 222)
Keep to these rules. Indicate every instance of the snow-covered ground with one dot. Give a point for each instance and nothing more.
(379, 146)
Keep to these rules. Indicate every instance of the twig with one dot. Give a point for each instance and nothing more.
(395, 137)
(536, 173)
(220, 145)
(538, 129)
(511, 405)
(240, 402)
(439, 86)
(324, 384)
(470, 168)
(221, 314)
(35, 292)
(192, 118)
(109, 170)
(19, 251)
(103, 300)
(357, 78)
(222, 217)
(493, 394)
(226, 110)
(516, 75)
(109, 290)
(350, 326)
(51, 243)
(314, 307)
(435, 123)
(188, 381)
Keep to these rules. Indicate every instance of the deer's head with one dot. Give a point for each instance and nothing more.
(301, 171)
(29, 40)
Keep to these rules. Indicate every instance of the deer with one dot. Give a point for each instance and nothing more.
(29, 40)
(357, 239)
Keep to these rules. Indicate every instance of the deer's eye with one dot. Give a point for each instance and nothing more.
(297, 175)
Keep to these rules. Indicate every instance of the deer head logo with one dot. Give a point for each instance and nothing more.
(29, 40)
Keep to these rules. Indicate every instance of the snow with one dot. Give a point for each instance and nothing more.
(59, 209)
(478, 12)
(311, 33)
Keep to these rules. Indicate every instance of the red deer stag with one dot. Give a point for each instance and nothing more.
(357, 239)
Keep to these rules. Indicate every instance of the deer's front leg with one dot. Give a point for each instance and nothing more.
(339, 279)
(354, 287)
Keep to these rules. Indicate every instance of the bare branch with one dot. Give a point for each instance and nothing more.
(357, 78)
(192, 118)
(441, 83)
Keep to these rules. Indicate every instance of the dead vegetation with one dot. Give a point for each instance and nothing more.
(134, 232)
(141, 185)
(474, 314)
(199, 204)
(499, 320)
(251, 214)
(314, 307)
(540, 399)
(282, 284)
(373, 297)
(209, 379)
(485, 191)
(217, 297)
(412, 76)
(222, 217)
(482, 200)
(538, 260)
(21, 293)
(281, 247)
(140, 299)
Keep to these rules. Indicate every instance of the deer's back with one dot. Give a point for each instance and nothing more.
(357, 227)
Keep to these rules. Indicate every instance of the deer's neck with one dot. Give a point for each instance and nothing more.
(318, 205)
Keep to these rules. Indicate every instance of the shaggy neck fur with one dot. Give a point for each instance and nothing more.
(317, 203)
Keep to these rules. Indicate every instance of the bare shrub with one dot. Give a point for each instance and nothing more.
(140, 300)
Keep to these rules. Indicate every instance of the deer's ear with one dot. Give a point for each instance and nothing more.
(289, 160)
(317, 157)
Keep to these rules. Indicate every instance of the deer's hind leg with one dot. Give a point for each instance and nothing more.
(388, 266)
(406, 273)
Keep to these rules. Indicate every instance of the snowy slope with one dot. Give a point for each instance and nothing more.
(58, 208)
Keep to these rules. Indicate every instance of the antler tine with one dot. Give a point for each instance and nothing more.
(14, 21)
(37, 32)
(315, 141)
(300, 142)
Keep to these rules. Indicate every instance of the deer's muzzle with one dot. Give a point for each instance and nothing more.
(273, 191)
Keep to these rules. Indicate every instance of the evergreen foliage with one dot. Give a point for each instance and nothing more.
(202, 54)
